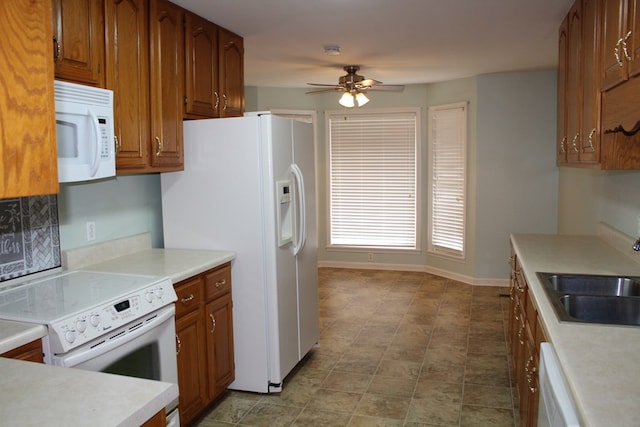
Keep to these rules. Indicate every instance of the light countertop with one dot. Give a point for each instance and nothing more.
(15, 334)
(177, 264)
(34, 394)
(600, 362)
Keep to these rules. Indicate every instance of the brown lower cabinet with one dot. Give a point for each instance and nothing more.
(525, 335)
(204, 340)
(31, 352)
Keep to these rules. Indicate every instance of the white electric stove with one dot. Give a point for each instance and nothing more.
(80, 306)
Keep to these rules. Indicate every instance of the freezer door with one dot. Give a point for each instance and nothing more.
(306, 259)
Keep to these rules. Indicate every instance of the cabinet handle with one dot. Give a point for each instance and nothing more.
(56, 49)
(224, 97)
(116, 143)
(187, 299)
(624, 46)
(520, 333)
(159, 145)
(530, 373)
(574, 145)
(215, 107)
(213, 322)
(221, 283)
(590, 139)
(563, 143)
(616, 52)
(179, 344)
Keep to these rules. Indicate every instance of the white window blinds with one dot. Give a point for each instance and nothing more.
(447, 183)
(373, 179)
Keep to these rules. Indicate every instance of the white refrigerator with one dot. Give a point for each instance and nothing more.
(248, 186)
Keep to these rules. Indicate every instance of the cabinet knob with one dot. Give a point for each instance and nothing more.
(574, 143)
(224, 107)
(624, 46)
(221, 283)
(217, 100)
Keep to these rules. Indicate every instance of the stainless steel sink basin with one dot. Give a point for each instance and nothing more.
(594, 298)
(592, 284)
(599, 309)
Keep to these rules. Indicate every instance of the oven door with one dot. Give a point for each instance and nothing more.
(144, 348)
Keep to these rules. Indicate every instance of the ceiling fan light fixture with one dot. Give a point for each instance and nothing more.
(361, 99)
(347, 100)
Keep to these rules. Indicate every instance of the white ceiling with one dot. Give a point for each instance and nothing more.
(394, 41)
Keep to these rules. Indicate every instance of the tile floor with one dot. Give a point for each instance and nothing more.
(396, 349)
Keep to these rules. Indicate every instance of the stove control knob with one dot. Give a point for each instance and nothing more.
(149, 296)
(70, 336)
(81, 325)
(94, 320)
(159, 292)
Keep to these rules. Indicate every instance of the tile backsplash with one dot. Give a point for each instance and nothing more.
(29, 236)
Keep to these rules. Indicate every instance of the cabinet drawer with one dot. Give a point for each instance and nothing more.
(189, 295)
(218, 282)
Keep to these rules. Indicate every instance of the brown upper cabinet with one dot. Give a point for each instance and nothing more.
(231, 67)
(578, 86)
(78, 41)
(598, 118)
(202, 93)
(621, 42)
(127, 42)
(29, 160)
(167, 81)
(214, 70)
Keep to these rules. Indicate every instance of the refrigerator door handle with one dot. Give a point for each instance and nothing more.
(301, 235)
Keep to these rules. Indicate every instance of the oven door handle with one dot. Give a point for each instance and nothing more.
(82, 354)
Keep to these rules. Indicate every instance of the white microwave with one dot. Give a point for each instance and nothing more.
(84, 132)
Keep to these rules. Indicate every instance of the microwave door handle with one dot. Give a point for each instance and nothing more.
(96, 158)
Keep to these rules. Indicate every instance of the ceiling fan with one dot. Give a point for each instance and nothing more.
(354, 87)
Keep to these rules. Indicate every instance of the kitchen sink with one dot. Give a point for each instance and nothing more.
(594, 298)
(592, 284)
(601, 309)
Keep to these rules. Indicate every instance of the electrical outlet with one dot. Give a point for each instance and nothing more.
(370, 256)
(91, 231)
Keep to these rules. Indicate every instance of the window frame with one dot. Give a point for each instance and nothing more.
(416, 112)
(434, 249)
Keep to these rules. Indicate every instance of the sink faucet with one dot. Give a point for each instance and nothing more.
(636, 245)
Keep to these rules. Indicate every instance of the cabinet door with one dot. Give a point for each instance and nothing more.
(201, 64)
(31, 352)
(191, 365)
(573, 95)
(128, 76)
(29, 164)
(231, 74)
(167, 85)
(220, 359)
(614, 70)
(633, 42)
(78, 35)
(591, 103)
(563, 40)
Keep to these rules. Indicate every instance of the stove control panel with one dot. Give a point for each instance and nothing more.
(96, 323)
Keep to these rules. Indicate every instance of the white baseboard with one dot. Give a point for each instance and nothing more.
(418, 268)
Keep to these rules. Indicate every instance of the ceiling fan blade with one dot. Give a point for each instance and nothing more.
(330, 89)
(368, 82)
(390, 88)
(321, 84)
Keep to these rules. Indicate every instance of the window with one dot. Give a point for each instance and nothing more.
(373, 179)
(447, 179)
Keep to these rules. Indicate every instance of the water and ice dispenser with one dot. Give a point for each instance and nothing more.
(284, 213)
